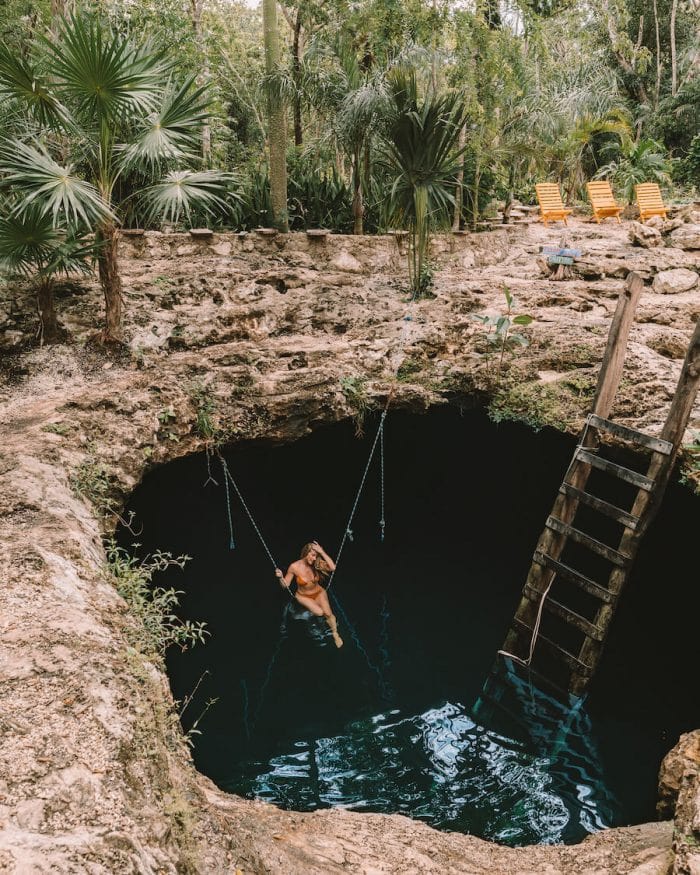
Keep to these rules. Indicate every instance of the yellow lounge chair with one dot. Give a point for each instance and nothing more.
(551, 205)
(603, 201)
(649, 201)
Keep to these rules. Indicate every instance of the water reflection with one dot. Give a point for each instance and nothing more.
(446, 768)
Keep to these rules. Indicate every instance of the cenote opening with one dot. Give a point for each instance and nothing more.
(387, 723)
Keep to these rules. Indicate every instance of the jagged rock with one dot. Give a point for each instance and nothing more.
(645, 235)
(346, 262)
(672, 282)
(686, 237)
(680, 763)
(223, 248)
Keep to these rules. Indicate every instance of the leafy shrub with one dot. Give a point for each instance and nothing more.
(153, 606)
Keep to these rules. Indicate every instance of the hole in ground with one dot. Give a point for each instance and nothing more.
(386, 723)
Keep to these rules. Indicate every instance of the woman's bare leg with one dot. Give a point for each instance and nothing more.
(310, 604)
(330, 618)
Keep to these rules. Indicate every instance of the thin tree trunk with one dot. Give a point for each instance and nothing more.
(296, 67)
(657, 88)
(49, 327)
(357, 204)
(456, 218)
(203, 76)
(674, 62)
(108, 266)
(277, 122)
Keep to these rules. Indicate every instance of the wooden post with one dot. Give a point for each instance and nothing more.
(614, 356)
(552, 543)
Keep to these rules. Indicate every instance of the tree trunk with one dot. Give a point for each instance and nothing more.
(456, 218)
(357, 204)
(108, 237)
(657, 87)
(49, 327)
(277, 122)
(674, 62)
(203, 76)
(296, 67)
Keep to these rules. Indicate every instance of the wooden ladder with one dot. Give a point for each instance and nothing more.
(569, 655)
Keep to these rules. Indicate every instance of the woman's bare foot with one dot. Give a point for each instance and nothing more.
(338, 640)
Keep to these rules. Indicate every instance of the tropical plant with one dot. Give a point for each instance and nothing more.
(643, 161)
(32, 246)
(99, 106)
(422, 159)
(500, 335)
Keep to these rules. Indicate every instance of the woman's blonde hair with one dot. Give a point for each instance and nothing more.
(320, 566)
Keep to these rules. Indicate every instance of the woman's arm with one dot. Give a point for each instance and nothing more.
(285, 579)
(326, 558)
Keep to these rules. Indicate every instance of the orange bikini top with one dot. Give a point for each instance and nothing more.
(301, 582)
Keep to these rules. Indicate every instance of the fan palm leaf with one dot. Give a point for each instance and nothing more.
(183, 191)
(101, 74)
(173, 132)
(53, 188)
(22, 81)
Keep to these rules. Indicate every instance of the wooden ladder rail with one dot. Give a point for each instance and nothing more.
(647, 504)
(551, 543)
(546, 559)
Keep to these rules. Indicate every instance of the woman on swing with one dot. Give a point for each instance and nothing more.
(313, 566)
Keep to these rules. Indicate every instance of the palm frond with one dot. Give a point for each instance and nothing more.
(31, 170)
(104, 74)
(182, 191)
(31, 245)
(23, 82)
(173, 132)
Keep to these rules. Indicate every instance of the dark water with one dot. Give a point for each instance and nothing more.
(388, 723)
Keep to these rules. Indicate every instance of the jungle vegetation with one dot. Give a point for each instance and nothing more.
(351, 115)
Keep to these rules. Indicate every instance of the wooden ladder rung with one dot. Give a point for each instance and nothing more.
(604, 507)
(571, 617)
(573, 662)
(618, 471)
(631, 434)
(585, 540)
(579, 580)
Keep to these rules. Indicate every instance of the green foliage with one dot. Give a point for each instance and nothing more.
(91, 479)
(634, 163)
(355, 391)
(205, 425)
(500, 335)
(691, 472)
(687, 170)
(154, 606)
(98, 106)
(422, 160)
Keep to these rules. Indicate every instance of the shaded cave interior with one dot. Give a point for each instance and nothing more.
(385, 724)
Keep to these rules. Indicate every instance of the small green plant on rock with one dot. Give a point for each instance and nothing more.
(153, 606)
(166, 417)
(204, 426)
(500, 335)
(691, 472)
(92, 481)
(355, 391)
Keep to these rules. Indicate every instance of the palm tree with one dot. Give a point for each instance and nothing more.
(644, 161)
(422, 158)
(277, 122)
(32, 246)
(99, 107)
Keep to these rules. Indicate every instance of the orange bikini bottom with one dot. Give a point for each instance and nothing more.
(311, 595)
